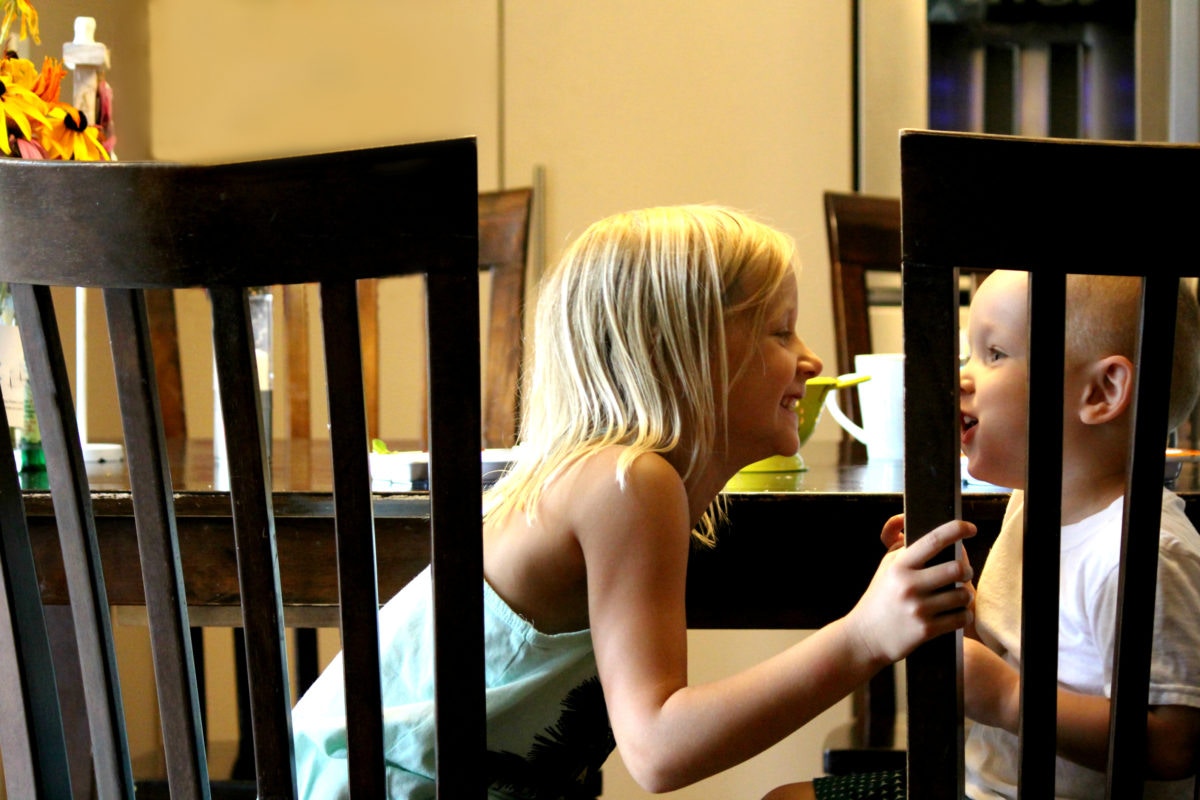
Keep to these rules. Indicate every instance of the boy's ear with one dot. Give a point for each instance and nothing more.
(1109, 390)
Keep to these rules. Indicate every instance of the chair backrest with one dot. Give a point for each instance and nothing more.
(503, 247)
(330, 219)
(863, 233)
(1048, 207)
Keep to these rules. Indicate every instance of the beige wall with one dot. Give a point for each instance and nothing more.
(895, 55)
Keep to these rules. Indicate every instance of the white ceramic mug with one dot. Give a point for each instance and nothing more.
(881, 401)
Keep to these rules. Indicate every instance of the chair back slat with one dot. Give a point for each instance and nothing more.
(77, 540)
(1048, 207)
(158, 545)
(32, 739)
(931, 472)
(1043, 514)
(355, 536)
(1139, 554)
(254, 534)
(457, 558)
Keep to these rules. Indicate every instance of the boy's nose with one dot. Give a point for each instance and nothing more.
(966, 383)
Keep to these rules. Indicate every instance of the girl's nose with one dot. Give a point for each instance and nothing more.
(809, 363)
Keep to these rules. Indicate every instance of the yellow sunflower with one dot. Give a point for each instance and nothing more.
(19, 106)
(48, 82)
(69, 136)
(24, 11)
(19, 71)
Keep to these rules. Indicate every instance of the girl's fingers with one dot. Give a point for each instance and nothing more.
(951, 600)
(932, 543)
(938, 603)
(945, 623)
(939, 575)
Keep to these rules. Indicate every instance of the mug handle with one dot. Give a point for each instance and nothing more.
(842, 419)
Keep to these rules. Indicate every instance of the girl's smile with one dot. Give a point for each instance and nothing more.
(770, 368)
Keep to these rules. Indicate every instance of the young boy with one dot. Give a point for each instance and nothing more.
(1098, 386)
(1101, 335)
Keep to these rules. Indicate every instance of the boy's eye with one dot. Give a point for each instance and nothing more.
(995, 354)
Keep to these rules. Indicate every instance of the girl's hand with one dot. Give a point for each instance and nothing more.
(892, 537)
(908, 603)
(991, 688)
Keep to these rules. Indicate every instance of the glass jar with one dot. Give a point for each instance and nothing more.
(262, 304)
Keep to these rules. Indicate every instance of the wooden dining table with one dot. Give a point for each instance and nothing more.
(796, 550)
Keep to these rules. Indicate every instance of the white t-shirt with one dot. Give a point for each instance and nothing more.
(1087, 632)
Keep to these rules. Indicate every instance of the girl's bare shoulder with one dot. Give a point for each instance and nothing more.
(596, 497)
(587, 523)
(600, 478)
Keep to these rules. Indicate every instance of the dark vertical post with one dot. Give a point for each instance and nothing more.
(932, 485)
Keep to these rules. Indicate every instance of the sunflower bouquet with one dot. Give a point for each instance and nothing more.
(37, 124)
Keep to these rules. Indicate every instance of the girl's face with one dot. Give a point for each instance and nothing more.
(994, 382)
(770, 368)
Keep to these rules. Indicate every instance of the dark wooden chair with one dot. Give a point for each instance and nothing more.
(1048, 207)
(863, 233)
(331, 219)
(503, 248)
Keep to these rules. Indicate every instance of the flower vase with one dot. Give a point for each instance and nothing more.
(13, 378)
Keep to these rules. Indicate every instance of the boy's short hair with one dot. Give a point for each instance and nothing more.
(1102, 319)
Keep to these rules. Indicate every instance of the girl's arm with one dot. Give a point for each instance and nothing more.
(635, 543)
(992, 696)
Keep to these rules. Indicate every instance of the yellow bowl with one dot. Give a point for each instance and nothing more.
(809, 413)
(772, 481)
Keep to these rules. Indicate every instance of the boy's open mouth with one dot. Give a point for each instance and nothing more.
(968, 423)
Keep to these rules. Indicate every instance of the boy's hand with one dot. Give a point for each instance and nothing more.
(892, 534)
(908, 603)
(991, 688)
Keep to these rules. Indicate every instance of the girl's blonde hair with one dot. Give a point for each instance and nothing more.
(629, 343)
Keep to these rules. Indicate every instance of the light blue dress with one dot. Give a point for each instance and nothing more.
(548, 730)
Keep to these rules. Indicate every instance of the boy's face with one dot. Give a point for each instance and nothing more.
(994, 382)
